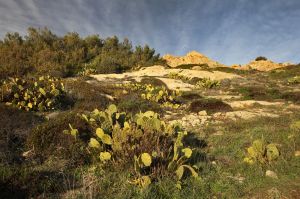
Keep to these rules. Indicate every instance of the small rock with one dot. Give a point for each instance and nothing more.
(297, 153)
(218, 133)
(52, 115)
(271, 174)
(168, 117)
(125, 92)
(28, 154)
(202, 113)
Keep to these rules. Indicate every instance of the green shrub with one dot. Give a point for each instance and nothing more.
(159, 94)
(88, 96)
(210, 105)
(48, 139)
(87, 70)
(44, 53)
(207, 83)
(148, 147)
(37, 94)
(190, 66)
(261, 58)
(133, 103)
(294, 80)
(15, 126)
(174, 75)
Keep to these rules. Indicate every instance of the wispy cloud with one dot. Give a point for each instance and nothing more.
(230, 31)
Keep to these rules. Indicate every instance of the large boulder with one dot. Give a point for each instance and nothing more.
(191, 58)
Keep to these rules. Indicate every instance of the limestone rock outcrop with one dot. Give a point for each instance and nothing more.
(192, 57)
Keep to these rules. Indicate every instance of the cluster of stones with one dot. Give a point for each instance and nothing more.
(193, 120)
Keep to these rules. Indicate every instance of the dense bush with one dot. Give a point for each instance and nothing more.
(207, 83)
(174, 75)
(42, 52)
(48, 139)
(294, 80)
(15, 126)
(210, 105)
(145, 145)
(159, 94)
(133, 103)
(261, 58)
(36, 94)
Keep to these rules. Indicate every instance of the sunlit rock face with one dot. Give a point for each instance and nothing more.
(192, 57)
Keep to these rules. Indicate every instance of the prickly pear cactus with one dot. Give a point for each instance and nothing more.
(37, 94)
(261, 153)
(144, 142)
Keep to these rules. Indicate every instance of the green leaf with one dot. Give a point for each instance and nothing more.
(252, 153)
(126, 125)
(149, 114)
(104, 156)
(258, 146)
(187, 152)
(42, 91)
(112, 109)
(100, 133)
(146, 159)
(29, 105)
(94, 143)
(74, 132)
(272, 152)
(55, 92)
(85, 117)
(106, 139)
(179, 172)
(20, 87)
(145, 181)
(192, 170)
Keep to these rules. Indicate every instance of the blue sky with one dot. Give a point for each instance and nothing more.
(229, 31)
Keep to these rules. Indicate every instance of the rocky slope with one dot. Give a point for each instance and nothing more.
(196, 58)
(192, 57)
(262, 65)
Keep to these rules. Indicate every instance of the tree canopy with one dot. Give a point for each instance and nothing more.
(43, 52)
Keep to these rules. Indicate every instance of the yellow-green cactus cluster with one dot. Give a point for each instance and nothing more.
(174, 75)
(207, 83)
(38, 94)
(86, 70)
(261, 152)
(139, 141)
(294, 80)
(159, 94)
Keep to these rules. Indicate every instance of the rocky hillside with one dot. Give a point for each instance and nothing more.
(192, 57)
(195, 58)
(261, 65)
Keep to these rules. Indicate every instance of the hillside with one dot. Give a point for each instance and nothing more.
(122, 131)
(97, 118)
(262, 65)
(191, 58)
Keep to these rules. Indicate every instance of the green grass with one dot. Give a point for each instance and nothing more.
(229, 149)
(59, 169)
(268, 93)
(284, 73)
